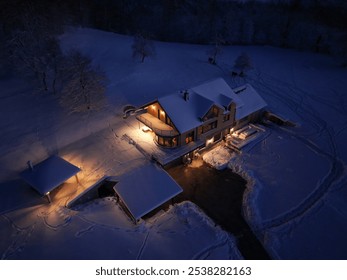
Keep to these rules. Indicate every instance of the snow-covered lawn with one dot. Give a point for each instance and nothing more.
(101, 230)
(296, 196)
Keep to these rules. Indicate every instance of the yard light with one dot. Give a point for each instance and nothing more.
(48, 197)
(209, 141)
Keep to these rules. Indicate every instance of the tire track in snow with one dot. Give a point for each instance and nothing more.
(206, 252)
(84, 231)
(139, 255)
(20, 239)
(335, 174)
(62, 216)
(295, 101)
(302, 109)
(66, 221)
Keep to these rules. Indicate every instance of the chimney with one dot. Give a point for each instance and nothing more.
(186, 95)
(30, 164)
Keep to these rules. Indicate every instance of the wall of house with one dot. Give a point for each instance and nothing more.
(188, 137)
(166, 141)
(254, 117)
(170, 142)
(157, 111)
(214, 128)
(209, 132)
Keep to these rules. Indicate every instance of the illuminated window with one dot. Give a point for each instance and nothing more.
(190, 137)
(167, 141)
(208, 127)
(212, 113)
(226, 117)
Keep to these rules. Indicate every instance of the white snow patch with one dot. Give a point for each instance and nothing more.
(218, 157)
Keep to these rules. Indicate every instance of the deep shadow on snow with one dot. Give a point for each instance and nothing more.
(220, 195)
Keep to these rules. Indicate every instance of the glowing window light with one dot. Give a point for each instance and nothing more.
(209, 141)
(146, 129)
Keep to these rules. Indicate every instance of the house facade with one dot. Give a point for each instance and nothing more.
(205, 113)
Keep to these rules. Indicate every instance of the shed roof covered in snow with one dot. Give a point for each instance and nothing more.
(49, 174)
(146, 188)
(187, 111)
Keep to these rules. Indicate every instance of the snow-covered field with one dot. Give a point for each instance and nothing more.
(296, 197)
(296, 204)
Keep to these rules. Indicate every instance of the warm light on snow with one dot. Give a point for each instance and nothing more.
(145, 128)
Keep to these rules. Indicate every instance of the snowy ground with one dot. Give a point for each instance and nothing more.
(296, 203)
(218, 157)
(296, 200)
(101, 230)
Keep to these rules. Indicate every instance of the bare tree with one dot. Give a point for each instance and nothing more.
(242, 64)
(142, 47)
(84, 85)
(215, 51)
(35, 51)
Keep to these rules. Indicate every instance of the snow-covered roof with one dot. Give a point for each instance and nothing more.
(186, 114)
(219, 92)
(49, 174)
(146, 188)
(251, 101)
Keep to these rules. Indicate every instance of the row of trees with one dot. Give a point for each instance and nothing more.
(29, 33)
(318, 25)
(314, 25)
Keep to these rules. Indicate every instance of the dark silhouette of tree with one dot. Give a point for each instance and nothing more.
(215, 51)
(142, 47)
(84, 85)
(242, 64)
(30, 30)
(35, 54)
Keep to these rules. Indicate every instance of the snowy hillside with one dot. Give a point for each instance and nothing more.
(296, 204)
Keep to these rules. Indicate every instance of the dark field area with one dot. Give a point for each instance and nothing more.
(219, 194)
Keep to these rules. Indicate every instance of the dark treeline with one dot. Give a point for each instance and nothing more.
(30, 49)
(315, 25)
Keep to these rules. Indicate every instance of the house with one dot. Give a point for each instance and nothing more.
(204, 113)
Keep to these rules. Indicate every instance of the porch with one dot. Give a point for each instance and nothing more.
(157, 126)
(144, 141)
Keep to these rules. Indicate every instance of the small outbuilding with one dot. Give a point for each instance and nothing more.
(144, 189)
(49, 174)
